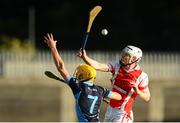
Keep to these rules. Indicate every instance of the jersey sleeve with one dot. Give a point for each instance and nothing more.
(144, 82)
(105, 92)
(111, 67)
(73, 84)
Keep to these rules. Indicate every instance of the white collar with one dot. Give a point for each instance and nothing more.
(89, 83)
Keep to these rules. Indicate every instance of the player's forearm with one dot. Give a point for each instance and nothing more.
(144, 95)
(95, 64)
(57, 59)
(116, 96)
(59, 62)
(90, 61)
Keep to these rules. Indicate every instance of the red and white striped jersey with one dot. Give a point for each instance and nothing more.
(121, 80)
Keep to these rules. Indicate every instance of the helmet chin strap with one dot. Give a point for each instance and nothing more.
(123, 65)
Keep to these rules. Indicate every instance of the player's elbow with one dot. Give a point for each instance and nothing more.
(147, 99)
(60, 66)
(60, 69)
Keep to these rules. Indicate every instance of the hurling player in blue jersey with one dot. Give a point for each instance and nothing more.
(88, 96)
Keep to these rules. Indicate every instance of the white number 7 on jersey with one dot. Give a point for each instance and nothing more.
(95, 98)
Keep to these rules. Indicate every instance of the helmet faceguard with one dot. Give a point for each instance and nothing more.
(129, 55)
(85, 72)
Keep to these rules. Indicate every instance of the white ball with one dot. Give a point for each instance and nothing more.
(104, 32)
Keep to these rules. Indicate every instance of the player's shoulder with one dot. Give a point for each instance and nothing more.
(98, 86)
(101, 88)
(70, 79)
(144, 73)
(143, 76)
(73, 82)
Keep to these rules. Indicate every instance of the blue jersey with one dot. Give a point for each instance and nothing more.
(88, 98)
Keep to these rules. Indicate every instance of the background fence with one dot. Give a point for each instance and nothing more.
(157, 65)
(27, 95)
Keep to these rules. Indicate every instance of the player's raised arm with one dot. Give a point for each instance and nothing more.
(49, 40)
(98, 66)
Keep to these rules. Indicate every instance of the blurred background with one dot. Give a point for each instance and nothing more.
(26, 94)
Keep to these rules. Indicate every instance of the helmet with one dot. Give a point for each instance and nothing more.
(85, 72)
(133, 52)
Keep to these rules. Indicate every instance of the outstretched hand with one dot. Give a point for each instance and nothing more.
(49, 40)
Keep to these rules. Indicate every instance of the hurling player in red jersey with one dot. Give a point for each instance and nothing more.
(128, 79)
